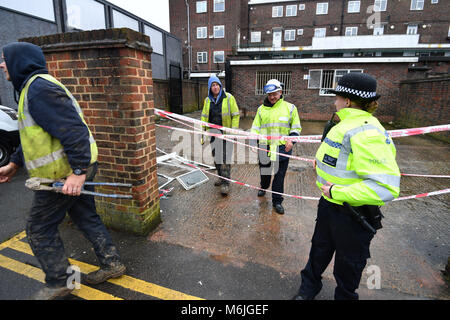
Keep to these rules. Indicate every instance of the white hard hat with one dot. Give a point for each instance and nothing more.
(273, 85)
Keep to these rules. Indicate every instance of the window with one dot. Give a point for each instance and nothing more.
(219, 5)
(202, 57)
(201, 7)
(255, 36)
(277, 12)
(322, 8)
(291, 11)
(219, 31)
(156, 39)
(219, 57)
(202, 32)
(289, 35)
(417, 4)
(320, 32)
(123, 21)
(301, 7)
(285, 77)
(448, 34)
(85, 15)
(327, 79)
(434, 1)
(41, 9)
(380, 5)
(353, 6)
(412, 29)
(351, 31)
(378, 31)
(299, 32)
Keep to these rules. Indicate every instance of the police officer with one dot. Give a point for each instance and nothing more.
(356, 172)
(275, 117)
(220, 108)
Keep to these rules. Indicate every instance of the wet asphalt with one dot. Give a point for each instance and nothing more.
(238, 248)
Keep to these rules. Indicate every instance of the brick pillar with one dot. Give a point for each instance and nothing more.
(109, 73)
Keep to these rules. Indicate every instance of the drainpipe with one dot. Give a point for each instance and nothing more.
(189, 39)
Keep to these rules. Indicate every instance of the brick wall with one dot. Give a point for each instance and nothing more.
(109, 73)
(425, 102)
(310, 104)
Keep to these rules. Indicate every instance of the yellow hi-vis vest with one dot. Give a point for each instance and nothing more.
(358, 157)
(279, 120)
(44, 155)
(230, 112)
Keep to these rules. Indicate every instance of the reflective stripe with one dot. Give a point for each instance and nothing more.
(296, 126)
(346, 148)
(384, 194)
(256, 128)
(384, 179)
(205, 115)
(235, 114)
(34, 164)
(273, 125)
(333, 144)
(345, 174)
(323, 181)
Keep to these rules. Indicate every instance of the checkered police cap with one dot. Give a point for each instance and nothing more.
(360, 85)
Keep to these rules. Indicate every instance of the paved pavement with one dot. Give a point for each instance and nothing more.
(238, 248)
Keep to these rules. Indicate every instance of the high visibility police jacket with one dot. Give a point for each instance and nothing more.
(43, 154)
(358, 157)
(230, 111)
(279, 120)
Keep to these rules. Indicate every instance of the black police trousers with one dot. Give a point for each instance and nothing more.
(336, 232)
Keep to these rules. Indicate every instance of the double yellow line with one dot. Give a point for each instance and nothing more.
(86, 292)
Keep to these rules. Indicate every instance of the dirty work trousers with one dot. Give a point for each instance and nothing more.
(47, 212)
(222, 152)
(278, 168)
(336, 232)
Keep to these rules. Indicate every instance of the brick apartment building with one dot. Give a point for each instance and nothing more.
(310, 44)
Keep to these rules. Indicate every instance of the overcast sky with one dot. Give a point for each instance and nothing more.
(154, 11)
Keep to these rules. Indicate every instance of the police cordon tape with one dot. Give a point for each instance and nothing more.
(230, 138)
(248, 135)
(422, 195)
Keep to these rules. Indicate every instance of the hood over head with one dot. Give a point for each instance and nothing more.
(23, 61)
(211, 80)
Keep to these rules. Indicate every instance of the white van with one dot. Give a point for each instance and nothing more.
(9, 134)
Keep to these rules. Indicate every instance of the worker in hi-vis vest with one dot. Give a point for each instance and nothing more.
(356, 173)
(220, 108)
(56, 144)
(275, 117)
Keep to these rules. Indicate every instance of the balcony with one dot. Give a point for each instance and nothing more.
(349, 43)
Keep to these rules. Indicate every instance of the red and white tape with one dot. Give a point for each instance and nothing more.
(230, 138)
(423, 195)
(440, 192)
(247, 135)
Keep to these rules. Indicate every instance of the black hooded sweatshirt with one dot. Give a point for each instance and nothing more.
(49, 105)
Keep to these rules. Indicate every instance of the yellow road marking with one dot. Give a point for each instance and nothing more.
(35, 273)
(18, 237)
(124, 281)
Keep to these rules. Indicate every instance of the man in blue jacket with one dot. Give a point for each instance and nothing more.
(55, 144)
